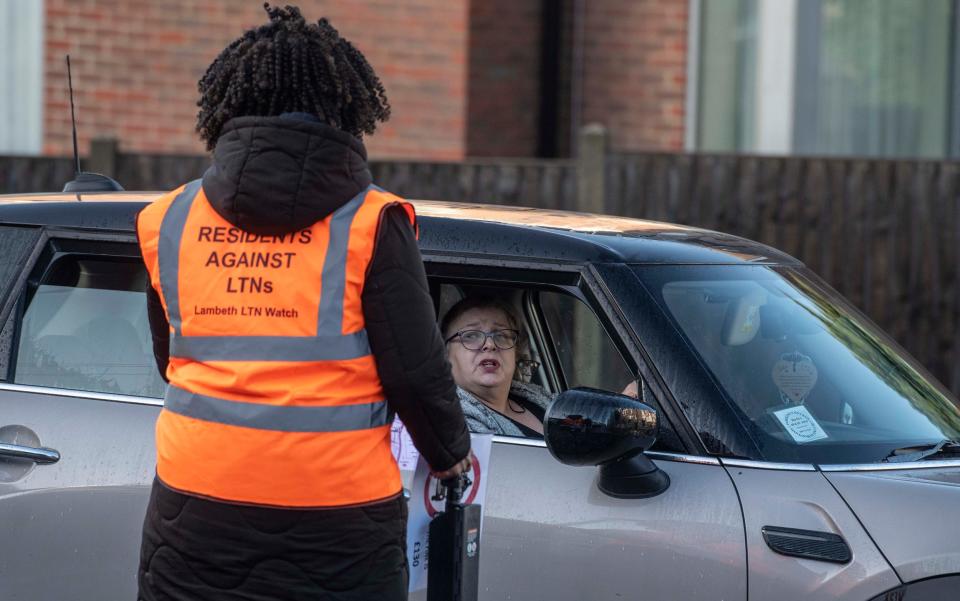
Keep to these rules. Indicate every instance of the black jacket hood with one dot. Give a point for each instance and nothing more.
(276, 175)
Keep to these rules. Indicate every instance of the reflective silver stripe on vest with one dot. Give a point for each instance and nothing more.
(282, 418)
(270, 348)
(330, 312)
(327, 345)
(168, 250)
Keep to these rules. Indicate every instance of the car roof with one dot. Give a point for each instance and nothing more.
(457, 228)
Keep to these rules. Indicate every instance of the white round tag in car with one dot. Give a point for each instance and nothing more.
(795, 376)
(799, 424)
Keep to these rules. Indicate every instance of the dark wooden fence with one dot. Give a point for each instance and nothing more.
(495, 181)
(886, 234)
(531, 183)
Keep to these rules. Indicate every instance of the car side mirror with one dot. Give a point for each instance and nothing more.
(585, 426)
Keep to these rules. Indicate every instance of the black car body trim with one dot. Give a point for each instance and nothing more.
(807, 544)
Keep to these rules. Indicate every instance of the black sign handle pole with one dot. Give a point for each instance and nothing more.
(454, 555)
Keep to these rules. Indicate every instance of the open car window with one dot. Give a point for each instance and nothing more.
(85, 327)
(566, 346)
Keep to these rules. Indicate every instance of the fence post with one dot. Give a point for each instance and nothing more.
(592, 160)
(103, 156)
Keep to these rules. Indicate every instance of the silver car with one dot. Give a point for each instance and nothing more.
(783, 447)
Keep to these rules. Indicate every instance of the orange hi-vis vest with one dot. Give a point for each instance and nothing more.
(274, 397)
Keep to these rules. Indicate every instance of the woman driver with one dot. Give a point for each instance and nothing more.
(482, 336)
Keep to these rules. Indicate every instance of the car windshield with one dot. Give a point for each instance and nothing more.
(812, 380)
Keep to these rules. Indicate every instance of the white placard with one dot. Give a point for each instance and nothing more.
(423, 508)
(799, 424)
(402, 446)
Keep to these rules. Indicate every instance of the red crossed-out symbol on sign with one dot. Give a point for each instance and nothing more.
(468, 495)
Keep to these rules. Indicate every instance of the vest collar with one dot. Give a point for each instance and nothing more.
(275, 175)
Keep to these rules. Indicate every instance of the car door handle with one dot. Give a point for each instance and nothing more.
(38, 454)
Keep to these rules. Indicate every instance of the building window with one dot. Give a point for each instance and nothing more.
(827, 77)
(21, 71)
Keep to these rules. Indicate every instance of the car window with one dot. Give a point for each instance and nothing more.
(85, 328)
(811, 379)
(565, 344)
(587, 355)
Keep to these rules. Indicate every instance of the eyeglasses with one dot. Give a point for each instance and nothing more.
(473, 340)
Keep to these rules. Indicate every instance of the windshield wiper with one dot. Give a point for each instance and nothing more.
(917, 453)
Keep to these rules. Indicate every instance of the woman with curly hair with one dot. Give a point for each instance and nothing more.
(291, 318)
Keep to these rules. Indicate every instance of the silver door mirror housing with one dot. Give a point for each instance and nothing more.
(585, 426)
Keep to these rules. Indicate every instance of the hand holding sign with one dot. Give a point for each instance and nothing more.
(434, 503)
(458, 468)
(423, 507)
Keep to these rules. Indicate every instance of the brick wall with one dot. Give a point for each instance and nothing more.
(503, 84)
(136, 64)
(632, 76)
(462, 75)
(634, 71)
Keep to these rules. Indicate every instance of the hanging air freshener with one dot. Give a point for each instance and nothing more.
(795, 376)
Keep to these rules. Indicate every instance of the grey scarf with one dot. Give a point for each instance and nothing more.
(483, 419)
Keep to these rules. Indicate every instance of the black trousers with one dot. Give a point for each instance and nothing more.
(195, 548)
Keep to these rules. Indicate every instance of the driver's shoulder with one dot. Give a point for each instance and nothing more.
(530, 392)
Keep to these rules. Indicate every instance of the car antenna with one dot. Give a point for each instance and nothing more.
(73, 116)
(85, 182)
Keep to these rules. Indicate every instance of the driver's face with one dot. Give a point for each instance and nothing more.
(489, 368)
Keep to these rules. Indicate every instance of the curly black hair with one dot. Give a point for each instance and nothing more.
(289, 65)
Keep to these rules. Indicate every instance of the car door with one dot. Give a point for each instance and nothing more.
(549, 532)
(78, 401)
